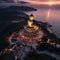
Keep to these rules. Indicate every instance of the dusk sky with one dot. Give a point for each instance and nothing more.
(49, 2)
(38, 2)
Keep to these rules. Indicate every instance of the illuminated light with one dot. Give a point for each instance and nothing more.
(50, 3)
(36, 27)
(11, 49)
(48, 15)
(16, 57)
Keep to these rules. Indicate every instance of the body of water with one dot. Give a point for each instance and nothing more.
(49, 15)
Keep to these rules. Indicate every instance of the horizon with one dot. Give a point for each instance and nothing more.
(37, 2)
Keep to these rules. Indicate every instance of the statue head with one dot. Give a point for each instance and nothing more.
(31, 17)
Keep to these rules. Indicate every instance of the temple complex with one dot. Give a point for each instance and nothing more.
(30, 33)
(27, 39)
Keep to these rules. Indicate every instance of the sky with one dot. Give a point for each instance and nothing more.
(38, 2)
(44, 0)
(49, 2)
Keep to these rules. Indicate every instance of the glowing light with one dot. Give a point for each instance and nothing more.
(11, 49)
(48, 15)
(16, 57)
(50, 3)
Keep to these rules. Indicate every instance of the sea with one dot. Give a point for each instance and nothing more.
(52, 16)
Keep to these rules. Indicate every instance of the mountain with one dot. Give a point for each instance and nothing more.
(47, 6)
(23, 2)
(6, 16)
(19, 8)
(14, 12)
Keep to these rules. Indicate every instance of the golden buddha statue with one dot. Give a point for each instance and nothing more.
(30, 21)
(30, 27)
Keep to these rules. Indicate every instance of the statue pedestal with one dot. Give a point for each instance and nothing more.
(31, 29)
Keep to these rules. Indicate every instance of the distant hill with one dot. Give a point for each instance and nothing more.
(19, 8)
(12, 15)
(47, 6)
(14, 12)
(23, 2)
